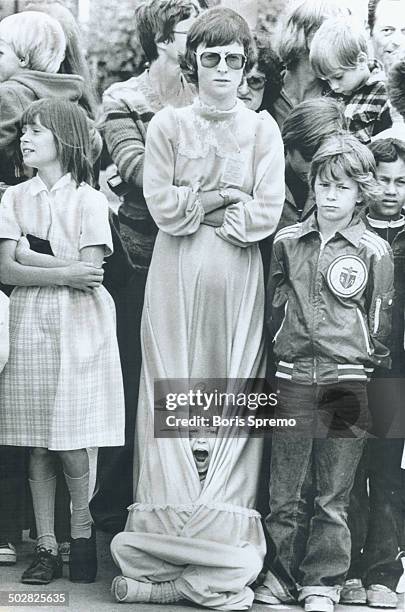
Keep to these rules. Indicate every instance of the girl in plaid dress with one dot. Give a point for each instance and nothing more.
(62, 387)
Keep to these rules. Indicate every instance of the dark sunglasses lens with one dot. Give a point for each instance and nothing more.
(209, 60)
(256, 83)
(236, 61)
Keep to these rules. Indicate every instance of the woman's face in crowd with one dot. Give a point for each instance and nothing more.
(220, 70)
(389, 31)
(251, 89)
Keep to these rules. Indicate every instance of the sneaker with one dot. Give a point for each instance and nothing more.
(353, 593)
(318, 603)
(44, 567)
(64, 551)
(264, 595)
(380, 596)
(8, 554)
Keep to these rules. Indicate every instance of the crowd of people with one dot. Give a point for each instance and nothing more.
(260, 242)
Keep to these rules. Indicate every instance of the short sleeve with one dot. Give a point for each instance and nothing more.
(95, 228)
(9, 226)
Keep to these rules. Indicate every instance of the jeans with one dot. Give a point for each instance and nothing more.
(329, 440)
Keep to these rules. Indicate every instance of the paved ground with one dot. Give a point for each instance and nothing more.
(96, 597)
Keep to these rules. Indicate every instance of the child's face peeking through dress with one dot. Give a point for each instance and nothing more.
(202, 450)
(38, 148)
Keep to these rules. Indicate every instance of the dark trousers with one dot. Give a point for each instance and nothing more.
(311, 545)
(376, 514)
(114, 486)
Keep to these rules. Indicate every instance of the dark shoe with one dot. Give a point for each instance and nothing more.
(44, 568)
(83, 558)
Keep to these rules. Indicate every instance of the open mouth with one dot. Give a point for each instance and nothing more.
(26, 151)
(200, 455)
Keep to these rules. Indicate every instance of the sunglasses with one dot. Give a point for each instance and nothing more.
(256, 82)
(210, 59)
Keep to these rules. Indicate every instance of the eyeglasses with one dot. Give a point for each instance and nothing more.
(256, 82)
(210, 59)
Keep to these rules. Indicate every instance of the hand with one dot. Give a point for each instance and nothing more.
(22, 250)
(83, 276)
(236, 195)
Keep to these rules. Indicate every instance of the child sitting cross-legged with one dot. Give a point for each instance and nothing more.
(339, 55)
(331, 287)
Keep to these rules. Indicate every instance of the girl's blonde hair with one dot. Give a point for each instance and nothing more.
(301, 20)
(35, 37)
(337, 46)
(344, 154)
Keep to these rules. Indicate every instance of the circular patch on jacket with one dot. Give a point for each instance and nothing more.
(347, 275)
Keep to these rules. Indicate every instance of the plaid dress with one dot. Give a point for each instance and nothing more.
(62, 387)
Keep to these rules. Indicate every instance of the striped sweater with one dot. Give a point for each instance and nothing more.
(128, 108)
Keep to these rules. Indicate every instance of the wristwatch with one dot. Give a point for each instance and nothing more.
(224, 194)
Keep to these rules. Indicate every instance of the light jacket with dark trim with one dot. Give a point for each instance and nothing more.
(330, 302)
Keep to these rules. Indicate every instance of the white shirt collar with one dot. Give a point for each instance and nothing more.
(37, 184)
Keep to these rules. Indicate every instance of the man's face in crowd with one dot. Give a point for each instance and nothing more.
(389, 31)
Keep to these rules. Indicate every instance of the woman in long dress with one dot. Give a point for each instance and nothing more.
(214, 184)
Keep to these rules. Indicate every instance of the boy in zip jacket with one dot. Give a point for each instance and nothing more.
(331, 280)
(376, 520)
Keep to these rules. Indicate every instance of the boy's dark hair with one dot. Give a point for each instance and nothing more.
(270, 64)
(217, 26)
(310, 122)
(70, 128)
(156, 20)
(387, 150)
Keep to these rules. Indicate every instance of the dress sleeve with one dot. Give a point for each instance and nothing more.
(252, 221)
(176, 210)
(9, 226)
(95, 229)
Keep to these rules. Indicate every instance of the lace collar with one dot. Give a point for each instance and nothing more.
(214, 114)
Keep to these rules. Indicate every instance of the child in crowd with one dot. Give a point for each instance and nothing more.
(332, 280)
(62, 387)
(376, 520)
(32, 47)
(339, 55)
(302, 137)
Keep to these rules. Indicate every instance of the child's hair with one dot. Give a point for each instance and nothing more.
(388, 150)
(74, 61)
(337, 46)
(217, 26)
(156, 19)
(270, 64)
(345, 154)
(301, 22)
(70, 128)
(310, 122)
(36, 38)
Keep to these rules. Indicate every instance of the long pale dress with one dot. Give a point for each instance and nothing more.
(202, 318)
(62, 386)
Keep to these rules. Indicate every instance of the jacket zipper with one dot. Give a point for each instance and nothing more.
(365, 332)
(321, 248)
(282, 322)
(377, 315)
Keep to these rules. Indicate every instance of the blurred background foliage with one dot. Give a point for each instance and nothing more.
(113, 52)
